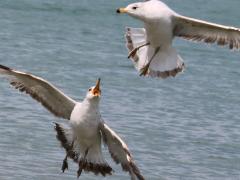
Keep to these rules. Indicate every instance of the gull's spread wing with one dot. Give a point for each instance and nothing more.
(198, 30)
(136, 37)
(42, 91)
(119, 151)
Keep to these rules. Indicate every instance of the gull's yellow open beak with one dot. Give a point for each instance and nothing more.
(121, 10)
(96, 90)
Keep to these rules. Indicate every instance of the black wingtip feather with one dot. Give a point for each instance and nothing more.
(5, 68)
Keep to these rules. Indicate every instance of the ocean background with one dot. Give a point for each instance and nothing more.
(183, 128)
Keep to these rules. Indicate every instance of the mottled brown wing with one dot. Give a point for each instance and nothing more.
(42, 91)
(198, 30)
(119, 151)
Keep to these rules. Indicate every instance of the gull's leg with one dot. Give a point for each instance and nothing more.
(134, 51)
(82, 163)
(144, 70)
(65, 163)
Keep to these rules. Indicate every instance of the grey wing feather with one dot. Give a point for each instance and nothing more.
(42, 91)
(136, 37)
(119, 151)
(198, 30)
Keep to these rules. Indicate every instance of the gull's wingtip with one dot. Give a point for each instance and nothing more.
(5, 67)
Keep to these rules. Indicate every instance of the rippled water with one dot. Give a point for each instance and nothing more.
(182, 128)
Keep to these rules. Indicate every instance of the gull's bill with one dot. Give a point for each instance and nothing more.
(96, 90)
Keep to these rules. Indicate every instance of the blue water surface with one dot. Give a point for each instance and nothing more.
(185, 128)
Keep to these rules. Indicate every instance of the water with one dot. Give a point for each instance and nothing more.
(182, 128)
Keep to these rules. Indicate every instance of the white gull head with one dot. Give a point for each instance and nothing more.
(147, 11)
(94, 92)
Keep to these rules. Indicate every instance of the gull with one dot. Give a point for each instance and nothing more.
(150, 48)
(83, 138)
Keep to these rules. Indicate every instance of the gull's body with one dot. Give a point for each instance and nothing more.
(157, 30)
(84, 121)
(83, 139)
(150, 48)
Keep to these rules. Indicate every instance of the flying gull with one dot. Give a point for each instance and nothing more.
(83, 138)
(150, 48)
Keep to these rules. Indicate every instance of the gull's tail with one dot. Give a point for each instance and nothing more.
(164, 64)
(88, 159)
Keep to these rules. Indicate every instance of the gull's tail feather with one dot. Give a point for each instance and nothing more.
(92, 160)
(103, 169)
(164, 64)
(88, 159)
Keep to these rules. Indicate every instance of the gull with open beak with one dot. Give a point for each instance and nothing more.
(150, 48)
(83, 138)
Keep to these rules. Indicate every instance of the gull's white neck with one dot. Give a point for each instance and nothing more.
(85, 119)
(92, 103)
(88, 108)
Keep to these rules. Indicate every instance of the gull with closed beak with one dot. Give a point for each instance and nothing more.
(150, 48)
(82, 140)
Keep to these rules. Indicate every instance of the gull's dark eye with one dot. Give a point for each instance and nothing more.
(89, 89)
(134, 7)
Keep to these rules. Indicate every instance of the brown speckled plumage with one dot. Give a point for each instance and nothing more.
(40, 90)
(203, 31)
(127, 163)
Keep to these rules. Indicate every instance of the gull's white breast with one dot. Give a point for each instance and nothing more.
(84, 121)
